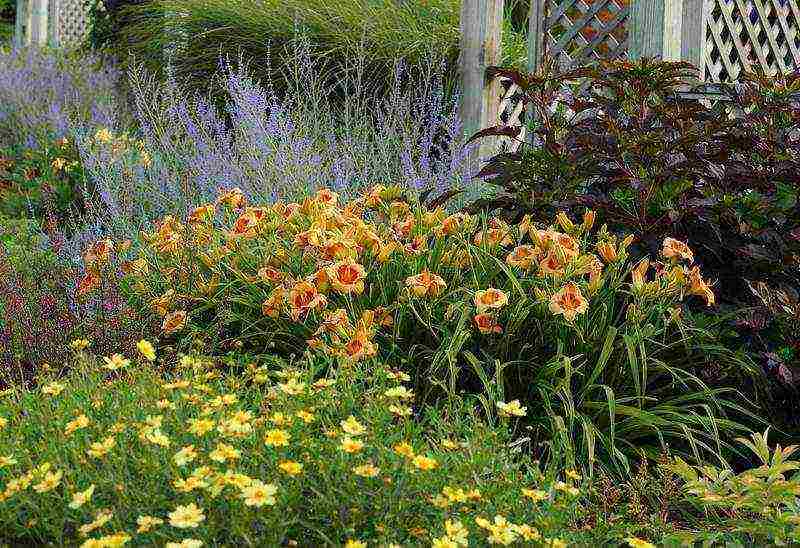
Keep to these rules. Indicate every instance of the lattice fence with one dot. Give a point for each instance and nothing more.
(66, 22)
(581, 31)
(742, 35)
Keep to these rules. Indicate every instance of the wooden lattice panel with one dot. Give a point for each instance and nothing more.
(583, 31)
(745, 35)
(73, 18)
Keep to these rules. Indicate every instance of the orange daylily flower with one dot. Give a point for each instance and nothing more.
(174, 322)
(304, 298)
(98, 253)
(698, 286)
(487, 324)
(347, 277)
(676, 250)
(326, 197)
(568, 302)
(201, 214)
(551, 265)
(271, 275)
(272, 306)
(358, 348)
(426, 284)
(88, 283)
(523, 256)
(490, 299)
(607, 251)
(233, 198)
(639, 272)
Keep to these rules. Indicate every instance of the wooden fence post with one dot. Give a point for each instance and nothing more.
(537, 41)
(38, 19)
(647, 27)
(19, 23)
(481, 34)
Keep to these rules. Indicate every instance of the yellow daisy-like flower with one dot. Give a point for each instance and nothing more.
(511, 409)
(146, 349)
(102, 517)
(443, 542)
(81, 497)
(293, 387)
(399, 392)
(350, 445)
(351, 543)
(115, 362)
(53, 388)
(352, 426)
(536, 495)
(199, 427)
(185, 543)
(186, 517)
(634, 542)
(366, 470)
(108, 541)
(277, 438)
(146, 523)
(81, 421)
(185, 455)
(305, 416)
(259, 494)
(49, 482)
(224, 453)
(101, 448)
(79, 344)
(424, 463)
(291, 467)
(3, 422)
(403, 448)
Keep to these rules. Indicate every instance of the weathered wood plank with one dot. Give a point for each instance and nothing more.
(647, 28)
(537, 37)
(481, 34)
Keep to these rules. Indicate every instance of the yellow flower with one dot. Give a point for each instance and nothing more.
(3, 422)
(81, 421)
(49, 482)
(81, 497)
(352, 426)
(185, 455)
(424, 463)
(116, 361)
(108, 541)
(146, 523)
(351, 543)
(366, 470)
(634, 542)
(536, 495)
(512, 408)
(102, 517)
(443, 542)
(400, 410)
(305, 416)
(500, 532)
(293, 387)
(7, 461)
(456, 532)
(399, 392)
(277, 438)
(224, 452)
(349, 445)
(184, 517)
(79, 344)
(103, 135)
(259, 494)
(146, 349)
(101, 448)
(572, 474)
(290, 467)
(185, 543)
(53, 388)
(403, 448)
(199, 427)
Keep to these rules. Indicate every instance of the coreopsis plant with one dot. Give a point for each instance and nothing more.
(554, 316)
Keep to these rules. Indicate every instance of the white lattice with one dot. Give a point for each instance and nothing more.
(743, 35)
(73, 21)
(582, 31)
(65, 22)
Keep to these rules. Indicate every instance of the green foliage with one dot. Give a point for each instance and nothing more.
(606, 367)
(761, 502)
(362, 35)
(398, 481)
(39, 181)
